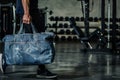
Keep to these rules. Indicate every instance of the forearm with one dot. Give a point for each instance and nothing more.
(26, 16)
(25, 4)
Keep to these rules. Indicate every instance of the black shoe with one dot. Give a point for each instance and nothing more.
(45, 74)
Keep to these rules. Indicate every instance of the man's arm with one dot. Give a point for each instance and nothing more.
(26, 16)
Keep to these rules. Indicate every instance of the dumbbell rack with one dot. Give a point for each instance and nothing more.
(62, 28)
(64, 31)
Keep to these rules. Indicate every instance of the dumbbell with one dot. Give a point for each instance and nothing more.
(63, 38)
(52, 18)
(62, 31)
(73, 31)
(61, 18)
(53, 25)
(68, 31)
(77, 19)
(66, 18)
(56, 18)
(75, 38)
(60, 25)
(90, 18)
(96, 19)
(69, 38)
(82, 18)
(52, 31)
(66, 25)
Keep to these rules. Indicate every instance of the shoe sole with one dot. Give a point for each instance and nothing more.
(1, 68)
(47, 77)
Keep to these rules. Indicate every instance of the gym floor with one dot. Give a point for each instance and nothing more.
(72, 64)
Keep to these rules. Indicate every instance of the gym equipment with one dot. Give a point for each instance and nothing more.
(7, 19)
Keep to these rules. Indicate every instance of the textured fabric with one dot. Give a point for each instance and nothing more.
(29, 48)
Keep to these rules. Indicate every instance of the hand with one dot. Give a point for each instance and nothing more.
(26, 19)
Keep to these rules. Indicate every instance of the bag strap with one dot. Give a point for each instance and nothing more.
(21, 30)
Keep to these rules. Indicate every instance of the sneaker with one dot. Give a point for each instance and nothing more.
(45, 74)
(1, 67)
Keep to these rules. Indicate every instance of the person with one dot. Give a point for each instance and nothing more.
(25, 10)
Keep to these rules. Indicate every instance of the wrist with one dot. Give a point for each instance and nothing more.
(26, 13)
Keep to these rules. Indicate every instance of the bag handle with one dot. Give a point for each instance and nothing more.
(21, 30)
